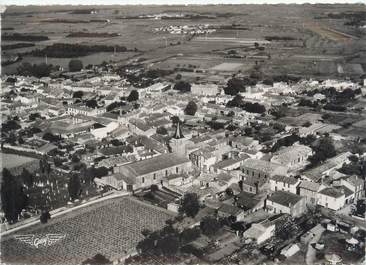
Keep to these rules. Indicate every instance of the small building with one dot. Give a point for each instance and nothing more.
(284, 183)
(290, 250)
(354, 183)
(292, 157)
(262, 169)
(331, 198)
(205, 89)
(309, 190)
(286, 202)
(227, 210)
(260, 232)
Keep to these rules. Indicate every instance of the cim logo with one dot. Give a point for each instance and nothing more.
(40, 240)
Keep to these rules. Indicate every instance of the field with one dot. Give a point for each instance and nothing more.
(111, 228)
(306, 41)
(12, 161)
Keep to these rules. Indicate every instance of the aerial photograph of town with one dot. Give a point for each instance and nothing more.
(183, 134)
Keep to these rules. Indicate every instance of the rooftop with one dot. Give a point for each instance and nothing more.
(284, 179)
(284, 198)
(152, 165)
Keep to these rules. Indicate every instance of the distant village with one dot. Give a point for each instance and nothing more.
(272, 171)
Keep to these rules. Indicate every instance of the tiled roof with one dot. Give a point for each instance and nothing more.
(284, 198)
(284, 179)
(152, 164)
(332, 192)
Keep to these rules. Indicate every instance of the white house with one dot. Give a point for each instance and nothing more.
(205, 89)
(286, 202)
(292, 157)
(260, 232)
(284, 183)
(331, 198)
(103, 132)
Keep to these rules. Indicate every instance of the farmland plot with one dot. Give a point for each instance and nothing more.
(112, 228)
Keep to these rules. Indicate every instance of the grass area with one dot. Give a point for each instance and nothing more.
(111, 228)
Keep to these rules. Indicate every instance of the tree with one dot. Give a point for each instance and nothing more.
(50, 137)
(75, 158)
(92, 103)
(178, 77)
(10, 125)
(45, 216)
(98, 259)
(161, 130)
(191, 108)
(75, 65)
(229, 192)
(237, 101)
(168, 245)
(234, 86)
(190, 205)
(13, 199)
(34, 116)
(279, 112)
(133, 96)
(190, 234)
(37, 70)
(78, 94)
(209, 225)
(323, 150)
(254, 107)
(27, 177)
(182, 86)
(74, 187)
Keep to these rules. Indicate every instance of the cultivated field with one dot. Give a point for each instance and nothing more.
(111, 228)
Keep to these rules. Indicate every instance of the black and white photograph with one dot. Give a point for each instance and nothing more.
(182, 132)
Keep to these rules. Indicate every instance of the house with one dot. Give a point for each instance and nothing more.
(331, 198)
(284, 183)
(139, 127)
(219, 182)
(290, 250)
(150, 171)
(203, 158)
(286, 202)
(243, 142)
(309, 190)
(354, 183)
(317, 174)
(262, 169)
(260, 232)
(252, 184)
(292, 157)
(104, 131)
(227, 210)
(205, 89)
(248, 202)
(228, 164)
(81, 109)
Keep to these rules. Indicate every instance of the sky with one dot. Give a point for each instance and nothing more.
(169, 2)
